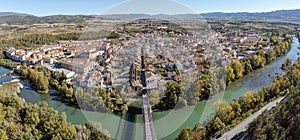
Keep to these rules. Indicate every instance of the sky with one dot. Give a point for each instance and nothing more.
(98, 7)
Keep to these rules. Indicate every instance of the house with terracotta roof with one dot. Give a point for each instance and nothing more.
(78, 65)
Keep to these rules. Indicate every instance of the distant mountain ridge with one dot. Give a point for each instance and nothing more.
(11, 17)
(280, 14)
(4, 14)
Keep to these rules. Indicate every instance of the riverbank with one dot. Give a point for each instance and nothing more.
(7, 63)
(227, 116)
(15, 86)
(243, 125)
(15, 83)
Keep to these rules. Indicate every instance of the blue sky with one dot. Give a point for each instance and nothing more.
(53, 7)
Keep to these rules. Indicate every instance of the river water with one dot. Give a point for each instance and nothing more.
(167, 123)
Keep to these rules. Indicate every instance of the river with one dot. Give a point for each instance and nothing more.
(167, 123)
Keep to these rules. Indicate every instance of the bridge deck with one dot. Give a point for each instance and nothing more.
(148, 124)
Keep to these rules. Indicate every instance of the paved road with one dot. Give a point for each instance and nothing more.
(242, 126)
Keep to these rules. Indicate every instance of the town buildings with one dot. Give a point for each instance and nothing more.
(78, 65)
(16, 55)
(165, 55)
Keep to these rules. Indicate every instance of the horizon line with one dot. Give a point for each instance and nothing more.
(93, 14)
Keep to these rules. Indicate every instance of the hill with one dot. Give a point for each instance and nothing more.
(29, 19)
(4, 14)
(18, 18)
(292, 15)
(281, 14)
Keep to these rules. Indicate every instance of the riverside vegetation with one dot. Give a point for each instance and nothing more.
(228, 115)
(24, 121)
(281, 122)
(94, 99)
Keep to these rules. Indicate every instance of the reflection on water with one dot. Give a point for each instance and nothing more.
(3, 70)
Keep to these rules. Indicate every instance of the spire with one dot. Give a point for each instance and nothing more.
(142, 58)
(143, 73)
(142, 51)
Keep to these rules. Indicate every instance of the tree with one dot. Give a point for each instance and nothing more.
(248, 66)
(230, 75)
(258, 61)
(173, 91)
(113, 35)
(184, 134)
(70, 94)
(55, 83)
(247, 101)
(95, 131)
(199, 132)
(206, 85)
(223, 111)
(3, 135)
(31, 117)
(218, 124)
(238, 68)
(38, 80)
(206, 63)
(42, 83)
(270, 56)
(236, 108)
(124, 109)
(288, 62)
(66, 132)
(154, 97)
